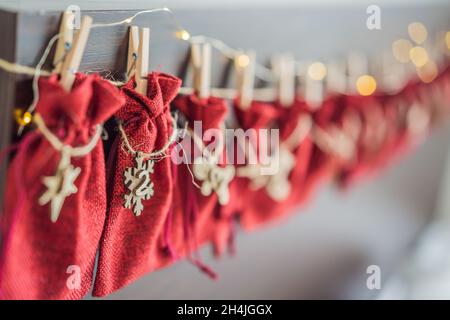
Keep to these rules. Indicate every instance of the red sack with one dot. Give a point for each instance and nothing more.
(412, 113)
(298, 117)
(374, 136)
(41, 259)
(257, 116)
(339, 123)
(267, 204)
(128, 248)
(194, 214)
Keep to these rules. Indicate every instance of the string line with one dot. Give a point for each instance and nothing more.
(58, 145)
(161, 152)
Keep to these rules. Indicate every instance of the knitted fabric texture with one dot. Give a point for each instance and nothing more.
(323, 164)
(129, 246)
(262, 208)
(257, 116)
(40, 258)
(195, 225)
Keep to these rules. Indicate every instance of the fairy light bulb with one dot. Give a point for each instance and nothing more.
(400, 50)
(183, 35)
(243, 60)
(418, 32)
(418, 56)
(366, 85)
(317, 71)
(27, 117)
(428, 72)
(23, 118)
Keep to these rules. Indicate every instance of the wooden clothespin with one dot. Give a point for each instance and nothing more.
(302, 74)
(391, 75)
(133, 49)
(142, 61)
(245, 64)
(201, 66)
(314, 84)
(65, 40)
(284, 69)
(357, 65)
(73, 59)
(336, 80)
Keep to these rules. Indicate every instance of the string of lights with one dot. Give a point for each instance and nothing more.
(404, 51)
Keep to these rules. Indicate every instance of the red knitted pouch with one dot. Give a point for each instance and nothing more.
(282, 190)
(41, 259)
(128, 247)
(410, 114)
(194, 214)
(294, 119)
(335, 130)
(257, 116)
(373, 137)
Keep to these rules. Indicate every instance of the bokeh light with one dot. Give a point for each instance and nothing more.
(418, 56)
(183, 35)
(366, 85)
(400, 50)
(317, 71)
(242, 60)
(428, 72)
(418, 32)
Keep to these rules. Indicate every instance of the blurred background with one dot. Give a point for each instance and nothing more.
(399, 222)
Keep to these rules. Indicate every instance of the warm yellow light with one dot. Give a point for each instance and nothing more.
(23, 118)
(400, 50)
(183, 35)
(428, 72)
(27, 117)
(317, 71)
(366, 85)
(418, 56)
(418, 32)
(447, 39)
(242, 60)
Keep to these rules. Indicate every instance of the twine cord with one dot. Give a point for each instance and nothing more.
(161, 152)
(58, 145)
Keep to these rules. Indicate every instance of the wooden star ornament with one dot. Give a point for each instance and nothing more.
(60, 186)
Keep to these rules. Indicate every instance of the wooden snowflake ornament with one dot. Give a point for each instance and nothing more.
(140, 186)
(277, 185)
(214, 178)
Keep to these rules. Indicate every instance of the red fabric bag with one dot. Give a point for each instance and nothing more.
(194, 215)
(290, 120)
(412, 113)
(294, 123)
(41, 259)
(257, 116)
(338, 122)
(407, 117)
(128, 247)
(373, 138)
